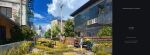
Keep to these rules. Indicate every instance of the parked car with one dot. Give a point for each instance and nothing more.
(88, 45)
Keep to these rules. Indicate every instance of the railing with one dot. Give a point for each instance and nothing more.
(100, 38)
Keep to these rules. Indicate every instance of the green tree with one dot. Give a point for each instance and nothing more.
(48, 33)
(55, 30)
(16, 34)
(69, 28)
(27, 32)
(21, 32)
(106, 30)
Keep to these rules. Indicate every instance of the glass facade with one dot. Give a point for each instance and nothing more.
(90, 20)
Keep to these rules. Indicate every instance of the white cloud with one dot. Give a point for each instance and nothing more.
(69, 7)
(47, 27)
(37, 15)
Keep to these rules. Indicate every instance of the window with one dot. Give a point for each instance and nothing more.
(6, 11)
(94, 21)
(9, 12)
(87, 22)
(3, 10)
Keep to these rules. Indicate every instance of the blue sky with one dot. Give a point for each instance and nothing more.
(47, 10)
(40, 12)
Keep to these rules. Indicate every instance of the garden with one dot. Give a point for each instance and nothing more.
(22, 49)
(103, 47)
(52, 47)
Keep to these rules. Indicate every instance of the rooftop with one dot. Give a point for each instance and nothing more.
(86, 5)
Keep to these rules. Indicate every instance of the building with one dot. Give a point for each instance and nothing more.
(91, 16)
(18, 8)
(5, 26)
(58, 22)
(30, 14)
(12, 12)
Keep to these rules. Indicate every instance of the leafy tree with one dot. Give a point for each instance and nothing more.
(69, 28)
(55, 30)
(21, 32)
(48, 33)
(106, 30)
(16, 33)
(27, 32)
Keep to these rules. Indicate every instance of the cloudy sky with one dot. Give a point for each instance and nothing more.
(47, 10)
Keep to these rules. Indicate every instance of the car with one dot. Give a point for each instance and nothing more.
(87, 45)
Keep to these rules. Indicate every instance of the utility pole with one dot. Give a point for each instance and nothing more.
(61, 18)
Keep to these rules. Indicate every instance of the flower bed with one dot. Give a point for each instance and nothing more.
(58, 48)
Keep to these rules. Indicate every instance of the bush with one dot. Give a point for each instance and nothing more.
(16, 34)
(69, 28)
(22, 49)
(47, 34)
(106, 30)
(45, 42)
(99, 49)
(27, 32)
(58, 50)
(21, 32)
(55, 38)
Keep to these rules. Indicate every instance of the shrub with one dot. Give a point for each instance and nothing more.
(106, 30)
(69, 28)
(22, 49)
(27, 32)
(99, 49)
(55, 38)
(58, 50)
(45, 42)
(16, 34)
(20, 33)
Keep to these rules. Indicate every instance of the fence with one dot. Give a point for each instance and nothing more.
(100, 38)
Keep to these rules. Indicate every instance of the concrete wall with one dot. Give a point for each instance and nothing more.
(5, 47)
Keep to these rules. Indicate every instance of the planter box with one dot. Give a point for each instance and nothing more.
(8, 46)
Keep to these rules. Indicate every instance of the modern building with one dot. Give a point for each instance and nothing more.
(90, 17)
(12, 12)
(30, 15)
